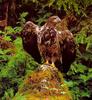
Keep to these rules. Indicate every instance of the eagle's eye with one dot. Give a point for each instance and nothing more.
(57, 19)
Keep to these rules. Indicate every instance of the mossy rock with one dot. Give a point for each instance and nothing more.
(46, 83)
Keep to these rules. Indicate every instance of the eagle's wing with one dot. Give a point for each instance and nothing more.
(68, 48)
(29, 38)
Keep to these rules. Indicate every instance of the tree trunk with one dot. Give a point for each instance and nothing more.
(4, 13)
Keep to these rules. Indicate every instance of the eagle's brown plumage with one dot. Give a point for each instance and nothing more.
(49, 45)
(29, 38)
(68, 21)
(50, 42)
(68, 49)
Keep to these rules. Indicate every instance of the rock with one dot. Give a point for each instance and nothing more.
(46, 83)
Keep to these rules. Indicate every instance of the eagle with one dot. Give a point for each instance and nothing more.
(50, 42)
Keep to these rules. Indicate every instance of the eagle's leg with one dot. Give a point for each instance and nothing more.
(52, 61)
(52, 64)
(47, 62)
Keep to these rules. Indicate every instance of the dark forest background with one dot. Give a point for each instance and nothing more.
(15, 63)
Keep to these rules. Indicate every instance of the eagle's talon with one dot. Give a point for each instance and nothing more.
(47, 62)
(53, 65)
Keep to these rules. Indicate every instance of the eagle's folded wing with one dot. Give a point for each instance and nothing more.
(29, 38)
(68, 48)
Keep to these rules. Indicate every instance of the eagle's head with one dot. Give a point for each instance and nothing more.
(53, 21)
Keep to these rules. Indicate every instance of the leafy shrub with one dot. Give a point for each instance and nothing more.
(68, 5)
(80, 73)
(15, 64)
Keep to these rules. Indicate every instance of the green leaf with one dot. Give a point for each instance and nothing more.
(84, 77)
(24, 14)
(50, 3)
(85, 93)
(9, 30)
(7, 38)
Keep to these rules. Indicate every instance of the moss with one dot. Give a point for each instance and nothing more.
(45, 84)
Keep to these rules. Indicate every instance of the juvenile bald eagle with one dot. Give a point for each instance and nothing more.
(50, 42)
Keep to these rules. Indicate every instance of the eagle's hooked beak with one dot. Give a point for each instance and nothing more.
(57, 20)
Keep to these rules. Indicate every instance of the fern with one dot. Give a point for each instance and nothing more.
(22, 19)
(15, 63)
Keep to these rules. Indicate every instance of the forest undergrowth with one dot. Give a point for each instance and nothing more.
(16, 63)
